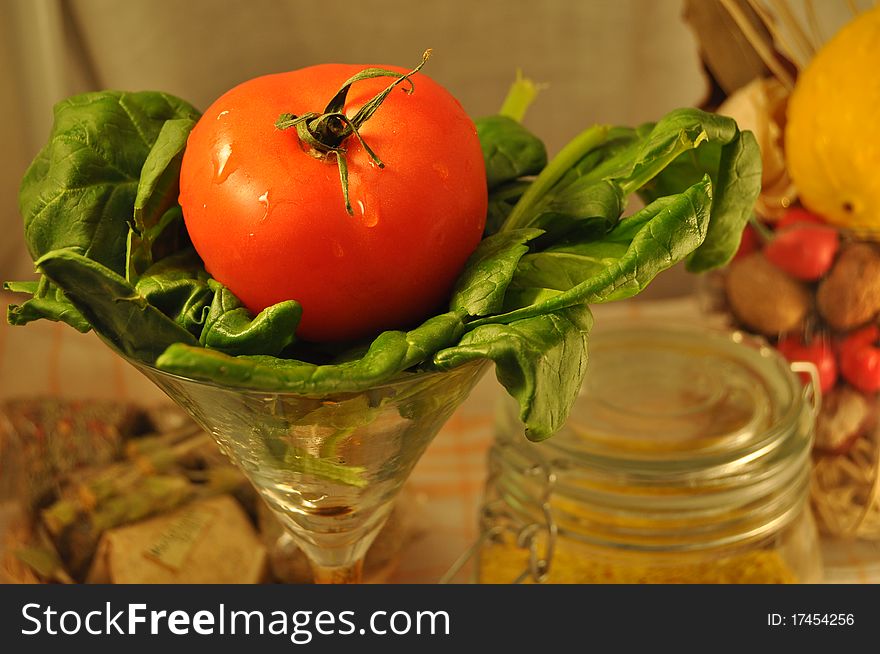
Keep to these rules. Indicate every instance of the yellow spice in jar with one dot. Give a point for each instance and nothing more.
(504, 562)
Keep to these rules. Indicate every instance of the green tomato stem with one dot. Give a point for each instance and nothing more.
(326, 133)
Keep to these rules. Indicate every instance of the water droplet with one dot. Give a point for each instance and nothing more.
(442, 170)
(371, 218)
(264, 200)
(222, 166)
(222, 113)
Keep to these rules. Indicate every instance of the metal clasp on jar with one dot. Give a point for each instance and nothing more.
(496, 520)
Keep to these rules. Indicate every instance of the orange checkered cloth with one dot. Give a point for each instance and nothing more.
(49, 359)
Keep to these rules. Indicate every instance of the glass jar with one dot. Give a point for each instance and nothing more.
(685, 459)
(833, 319)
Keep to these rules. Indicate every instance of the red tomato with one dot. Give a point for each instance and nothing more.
(749, 243)
(860, 359)
(798, 216)
(269, 219)
(806, 252)
(818, 352)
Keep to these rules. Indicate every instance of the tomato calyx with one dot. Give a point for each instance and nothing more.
(325, 133)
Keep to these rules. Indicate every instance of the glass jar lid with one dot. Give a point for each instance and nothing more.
(681, 438)
(667, 394)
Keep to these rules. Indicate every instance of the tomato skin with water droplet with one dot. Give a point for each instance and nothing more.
(269, 219)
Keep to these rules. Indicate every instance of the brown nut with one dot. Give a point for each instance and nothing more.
(763, 297)
(850, 295)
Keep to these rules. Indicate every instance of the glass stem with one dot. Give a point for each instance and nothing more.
(347, 574)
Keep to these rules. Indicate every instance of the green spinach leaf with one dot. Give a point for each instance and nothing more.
(231, 328)
(677, 132)
(501, 203)
(586, 208)
(622, 263)
(657, 160)
(480, 288)
(540, 360)
(112, 306)
(178, 286)
(48, 303)
(510, 151)
(736, 169)
(529, 205)
(159, 181)
(391, 353)
(157, 228)
(80, 190)
(610, 160)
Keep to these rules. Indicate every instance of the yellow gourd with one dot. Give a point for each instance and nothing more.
(832, 138)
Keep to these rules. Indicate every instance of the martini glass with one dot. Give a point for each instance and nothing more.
(328, 466)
